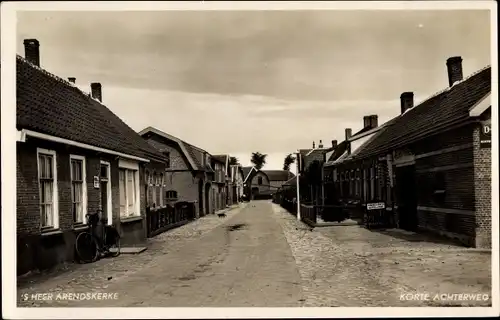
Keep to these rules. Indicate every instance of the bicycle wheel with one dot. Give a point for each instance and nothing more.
(86, 247)
(114, 250)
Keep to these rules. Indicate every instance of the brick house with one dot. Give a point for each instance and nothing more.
(277, 178)
(429, 165)
(190, 175)
(220, 164)
(74, 156)
(237, 177)
(263, 183)
(308, 160)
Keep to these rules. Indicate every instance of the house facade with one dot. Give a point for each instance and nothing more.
(256, 184)
(221, 193)
(431, 165)
(74, 156)
(237, 177)
(189, 175)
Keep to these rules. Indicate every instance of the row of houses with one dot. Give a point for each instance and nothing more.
(430, 166)
(75, 156)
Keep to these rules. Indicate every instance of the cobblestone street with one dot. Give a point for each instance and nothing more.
(260, 255)
(349, 266)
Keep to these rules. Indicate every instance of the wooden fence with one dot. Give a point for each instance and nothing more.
(163, 219)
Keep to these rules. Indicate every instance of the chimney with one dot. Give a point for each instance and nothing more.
(32, 51)
(348, 133)
(366, 121)
(320, 144)
(96, 91)
(454, 65)
(72, 79)
(314, 145)
(406, 101)
(374, 120)
(334, 143)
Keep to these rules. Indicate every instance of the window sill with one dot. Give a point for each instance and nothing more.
(80, 227)
(51, 232)
(131, 219)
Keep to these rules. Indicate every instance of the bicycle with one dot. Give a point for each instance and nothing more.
(90, 248)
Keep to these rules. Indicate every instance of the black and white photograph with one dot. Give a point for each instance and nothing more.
(249, 159)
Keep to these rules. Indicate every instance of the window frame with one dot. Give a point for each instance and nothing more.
(84, 185)
(133, 167)
(55, 193)
(260, 181)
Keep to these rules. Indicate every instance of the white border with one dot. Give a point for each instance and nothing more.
(55, 191)
(8, 138)
(85, 184)
(108, 192)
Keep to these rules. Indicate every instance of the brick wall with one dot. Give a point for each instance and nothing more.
(482, 189)
(39, 251)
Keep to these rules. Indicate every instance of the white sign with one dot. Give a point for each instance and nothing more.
(375, 206)
(96, 182)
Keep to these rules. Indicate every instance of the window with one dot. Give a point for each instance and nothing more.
(78, 188)
(47, 181)
(167, 159)
(358, 184)
(129, 204)
(171, 195)
(259, 180)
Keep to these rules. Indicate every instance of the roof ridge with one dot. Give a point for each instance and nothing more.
(88, 95)
(438, 93)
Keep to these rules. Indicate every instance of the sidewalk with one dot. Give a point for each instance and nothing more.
(99, 275)
(349, 266)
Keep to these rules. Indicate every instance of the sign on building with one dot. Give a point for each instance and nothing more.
(375, 206)
(485, 134)
(96, 182)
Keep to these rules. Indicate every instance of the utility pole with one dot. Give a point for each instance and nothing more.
(298, 184)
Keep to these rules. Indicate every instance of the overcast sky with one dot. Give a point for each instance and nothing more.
(267, 81)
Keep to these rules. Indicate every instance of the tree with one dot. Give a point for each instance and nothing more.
(258, 159)
(233, 161)
(289, 159)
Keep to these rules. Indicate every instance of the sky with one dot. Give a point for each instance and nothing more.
(237, 82)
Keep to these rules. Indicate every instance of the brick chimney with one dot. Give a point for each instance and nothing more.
(96, 90)
(320, 144)
(406, 101)
(374, 120)
(314, 145)
(32, 51)
(348, 133)
(454, 65)
(334, 143)
(366, 121)
(72, 79)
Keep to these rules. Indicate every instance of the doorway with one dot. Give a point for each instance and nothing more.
(406, 191)
(207, 198)
(105, 186)
(200, 198)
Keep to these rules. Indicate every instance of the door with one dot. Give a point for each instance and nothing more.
(406, 190)
(104, 185)
(200, 198)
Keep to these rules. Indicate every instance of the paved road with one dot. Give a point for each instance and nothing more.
(243, 262)
(261, 256)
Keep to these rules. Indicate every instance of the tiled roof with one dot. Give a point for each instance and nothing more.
(339, 151)
(431, 116)
(278, 175)
(53, 106)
